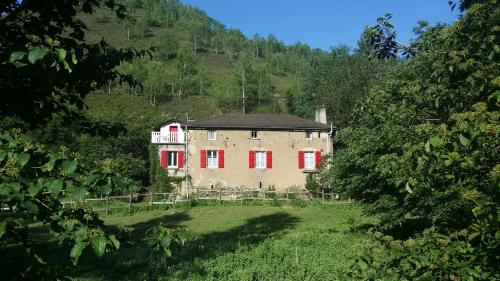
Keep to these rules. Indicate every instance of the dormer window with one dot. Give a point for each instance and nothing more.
(309, 135)
(211, 134)
(253, 135)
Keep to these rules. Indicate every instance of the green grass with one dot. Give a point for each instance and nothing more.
(236, 243)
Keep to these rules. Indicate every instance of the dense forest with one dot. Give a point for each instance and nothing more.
(83, 82)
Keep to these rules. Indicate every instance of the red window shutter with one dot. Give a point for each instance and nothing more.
(180, 158)
(203, 159)
(318, 158)
(163, 159)
(251, 159)
(269, 159)
(301, 159)
(221, 158)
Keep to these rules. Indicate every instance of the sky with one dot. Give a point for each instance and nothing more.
(323, 23)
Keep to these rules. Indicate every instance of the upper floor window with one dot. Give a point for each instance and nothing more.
(212, 159)
(309, 135)
(253, 134)
(211, 135)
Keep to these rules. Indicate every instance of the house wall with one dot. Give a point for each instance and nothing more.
(236, 144)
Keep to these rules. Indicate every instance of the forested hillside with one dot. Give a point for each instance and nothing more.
(215, 69)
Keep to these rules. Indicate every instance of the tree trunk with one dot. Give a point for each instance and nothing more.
(243, 88)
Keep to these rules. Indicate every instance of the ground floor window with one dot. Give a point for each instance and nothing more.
(172, 159)
(260, 159)
(309, 161)
(212, 159)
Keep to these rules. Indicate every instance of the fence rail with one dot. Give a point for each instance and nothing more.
(108, 203)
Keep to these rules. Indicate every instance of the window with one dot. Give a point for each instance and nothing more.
(260, 159)
(212, 159)
(253, 134)
(309, 161)
(172, 159)
(309, 135)
(211, 135)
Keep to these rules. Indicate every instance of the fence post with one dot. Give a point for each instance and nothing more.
(130, 203)
(107, 205)
(264, 197)
(220, 196)
(323, 196)
(241, 197)
(174, 197)
(151, 199)
(287, 199)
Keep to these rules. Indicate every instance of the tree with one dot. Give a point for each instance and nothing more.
(185, 68)
(167, 46)
(233, 43)
(423, 153)
(263, 84)
(47, 69)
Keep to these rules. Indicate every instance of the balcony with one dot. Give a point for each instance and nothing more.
(169, 137)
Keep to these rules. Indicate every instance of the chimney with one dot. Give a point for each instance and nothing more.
(321, 115)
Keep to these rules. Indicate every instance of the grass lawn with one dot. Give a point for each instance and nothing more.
(228, 242)
(237, 243)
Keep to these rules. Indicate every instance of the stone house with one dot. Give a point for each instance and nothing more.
(252, 150)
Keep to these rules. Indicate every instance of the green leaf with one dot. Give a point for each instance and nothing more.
(99, 245)
(69, 166)
(427, 147)
(36, 54)
(3, 225)
(80, 234)
(463, 140)
(408, 188)
(362, 265)
(30, 206)
(436, 141)
(33, 189)
(90, 179)
(17, 56)
(60, 54)
(496, 48)
(76, 252)
(73, 59)
(2, 155)
(56, 187)
(79, 193)
(115, 241)
(165, 242)
(22, 159)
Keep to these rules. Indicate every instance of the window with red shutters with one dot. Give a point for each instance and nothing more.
(251, 159)
(318, 159)
(269, 159)
(203, 159)
(221, 158)
(180, 159)
(163, 159)
(301, 159)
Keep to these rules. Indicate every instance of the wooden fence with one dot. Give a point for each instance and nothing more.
(108, 203)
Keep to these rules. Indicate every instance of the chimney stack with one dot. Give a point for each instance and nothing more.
(321, 115)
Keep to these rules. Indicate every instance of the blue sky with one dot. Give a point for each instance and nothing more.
(323, 23)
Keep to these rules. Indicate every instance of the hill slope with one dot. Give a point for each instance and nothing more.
(214, 55)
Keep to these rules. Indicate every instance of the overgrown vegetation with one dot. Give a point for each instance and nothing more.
(422, 151)
(233, 242)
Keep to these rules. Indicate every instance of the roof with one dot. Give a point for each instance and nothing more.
(259, 121)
